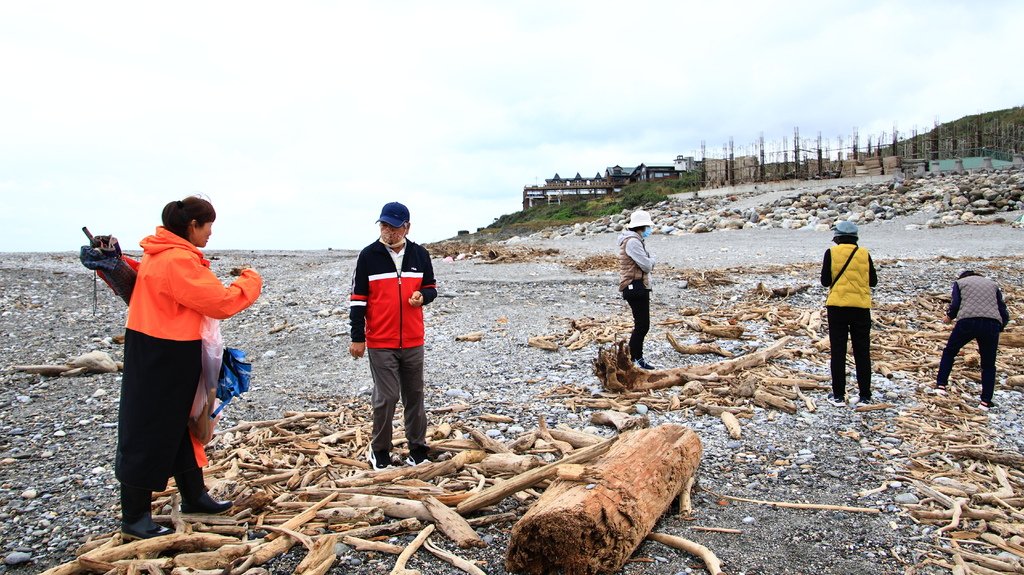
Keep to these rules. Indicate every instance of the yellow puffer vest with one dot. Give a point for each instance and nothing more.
(853, 289)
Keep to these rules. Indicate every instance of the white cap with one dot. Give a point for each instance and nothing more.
(640, 219)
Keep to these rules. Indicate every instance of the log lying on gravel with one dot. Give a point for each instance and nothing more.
(696, 349)
(764, 291)
(616, 371)
(723, 331)
(619, 420)
(92, 362)
(584, 528)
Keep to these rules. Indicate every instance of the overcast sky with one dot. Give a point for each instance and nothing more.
(299, 120)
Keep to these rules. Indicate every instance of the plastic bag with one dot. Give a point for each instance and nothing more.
(202, 420)
(234, 377)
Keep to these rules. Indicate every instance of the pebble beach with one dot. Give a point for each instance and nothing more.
(57, 434)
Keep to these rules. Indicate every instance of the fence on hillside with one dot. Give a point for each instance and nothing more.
(818, 158)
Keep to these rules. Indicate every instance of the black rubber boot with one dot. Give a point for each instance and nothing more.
(136, 515)
(194, 497)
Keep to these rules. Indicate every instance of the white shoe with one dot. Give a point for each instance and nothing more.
(378, 460)
(642, 364)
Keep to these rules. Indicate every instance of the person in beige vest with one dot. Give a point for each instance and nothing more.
(635, 266)
(981, 314)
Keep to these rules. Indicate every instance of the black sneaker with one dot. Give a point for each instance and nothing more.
(940, 389)
(379, 459)
(836, 401)
(642, 364)
(416, 457)
(986, 405)
(863, 400)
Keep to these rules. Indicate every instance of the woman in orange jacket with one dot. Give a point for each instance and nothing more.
(162, 363)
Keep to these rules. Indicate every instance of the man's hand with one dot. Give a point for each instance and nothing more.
(417, 299)
(357, 348)
(947, 319)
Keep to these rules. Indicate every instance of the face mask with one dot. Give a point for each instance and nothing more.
(646, 232)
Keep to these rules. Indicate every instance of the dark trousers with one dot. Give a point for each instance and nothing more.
(986, 332)
(640, 303)
(853, 323)
(398, 374)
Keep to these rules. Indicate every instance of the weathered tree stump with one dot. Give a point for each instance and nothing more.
(585, 531)
(614, 367)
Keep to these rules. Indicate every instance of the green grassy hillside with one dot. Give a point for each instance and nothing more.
(572, 211)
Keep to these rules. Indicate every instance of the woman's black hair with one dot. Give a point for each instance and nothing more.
(179, 214)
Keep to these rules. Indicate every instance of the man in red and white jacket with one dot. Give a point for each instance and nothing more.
(393, 280)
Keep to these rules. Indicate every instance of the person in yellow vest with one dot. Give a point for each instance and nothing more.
(849, 273)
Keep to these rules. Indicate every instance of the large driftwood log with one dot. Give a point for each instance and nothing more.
(584, 528)
(614, 367)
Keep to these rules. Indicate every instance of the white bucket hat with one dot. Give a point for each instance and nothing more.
(640, 219)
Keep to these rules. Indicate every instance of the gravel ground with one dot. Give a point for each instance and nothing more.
(57, 434)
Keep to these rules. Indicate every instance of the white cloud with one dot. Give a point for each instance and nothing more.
(299, 121)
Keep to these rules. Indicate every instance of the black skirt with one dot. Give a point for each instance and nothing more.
(157, 389)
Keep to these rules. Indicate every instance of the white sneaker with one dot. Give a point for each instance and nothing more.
(378, 459)
(417, 458)
(642, 364)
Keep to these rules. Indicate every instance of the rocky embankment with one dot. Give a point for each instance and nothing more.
(953, 199)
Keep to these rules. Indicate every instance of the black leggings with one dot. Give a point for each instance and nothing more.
(850, 324)
(640, 304)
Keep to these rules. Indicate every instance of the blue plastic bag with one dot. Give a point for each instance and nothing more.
(234, 377)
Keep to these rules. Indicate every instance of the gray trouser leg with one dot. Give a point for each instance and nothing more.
(397, 374)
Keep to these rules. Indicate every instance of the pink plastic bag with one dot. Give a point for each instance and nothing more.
(200, 423)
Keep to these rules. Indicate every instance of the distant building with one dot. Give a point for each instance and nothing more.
(685, 163)
(557, 188)
(657, 172)
(619, 175)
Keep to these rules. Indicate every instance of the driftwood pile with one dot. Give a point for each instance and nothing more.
(972, 491)
(584, 331)
(489, 253)
(695, 279)
(302, 480)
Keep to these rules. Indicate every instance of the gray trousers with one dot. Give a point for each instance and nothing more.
(397, 374)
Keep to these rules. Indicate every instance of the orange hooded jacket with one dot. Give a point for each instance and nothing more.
(175, 289)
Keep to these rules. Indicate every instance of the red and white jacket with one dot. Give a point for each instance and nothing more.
(379, 309)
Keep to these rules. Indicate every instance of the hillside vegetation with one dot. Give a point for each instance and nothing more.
(987, 121)
(1008, 122)
(571, 211)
